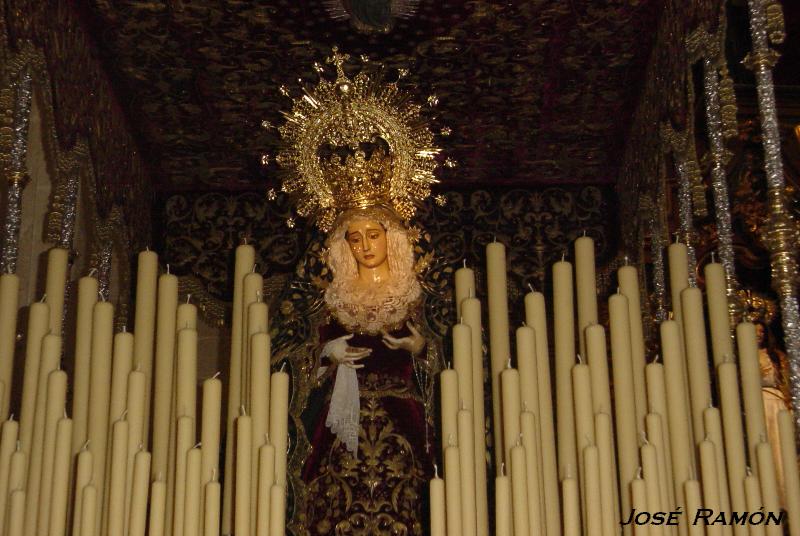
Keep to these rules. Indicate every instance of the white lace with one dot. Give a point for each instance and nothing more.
(345, 406)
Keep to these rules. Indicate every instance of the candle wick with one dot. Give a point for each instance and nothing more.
(644, 437)
(197, 446)
(216, 375)
(580, 360)
(435, 470)
(188, 297)
(508, 365)
(141, 447)
(470, 293)
(255, 266)
(713, 257)
(242, 412)
(524, 325)
(524, 405)
(44, 297)
(530, 287)
(124, 329)
(266, 438)
(11, 418)
(494, 238)
(584, 232)
(65, 413)
(465, 262)
(214, 474)
(258, 296)
(283, 366)
(639, 473)
(656, 358)
(168, 268)
(85, 445)
(502, 468)
(450, 441)
(462, 404)
(626, 260)
(748, 471)
(448, 365)
(124, 415)
(92, 272)
(244, 240)
(619, 291)
(158, 476)
(147, 248)
(519, 440)
(19, 445)
(461, 320)
(563, 256)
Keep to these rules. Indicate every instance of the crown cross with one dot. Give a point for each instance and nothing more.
(338, 60)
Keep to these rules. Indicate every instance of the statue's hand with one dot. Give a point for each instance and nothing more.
(342, 353)
(414, 343)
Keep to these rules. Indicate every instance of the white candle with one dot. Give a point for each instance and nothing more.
(9, 307)
(211, 509)
(499, 344)
(244, 442)
(769, 484)
(277, 522)
(449, 405)
(259, 406)
(654, 425)
(121, 366)
(598, 366)
(278, 422)
(163, 380)
(502, 503)
(245, 258)
(536, 317)
(680, 429)
(16, 513)
(571, 504)
(452, 486)
(710, 482)
(465, 287)
(585, 287)
(712, 423)
(752, 491)
(592, 491)
(584, 417)
(609, 496)
(533, 461)
(183, 442)
(694, 501)
(438, 526)
(266, 477)
(192, 513)
(56, 400)
(8, 444)
(735, 444)
(60, 480)
(186, 316)
(694, 334)
(144, 325)
(137, 521)
(38, 318)
(564, 332)
(718, 315)
(509, 385)
(750, 375)
(466, 453)
(158, 505)
(136, 424)
(655, 502)
(51, 354)
(628, 278)
(471, 315)
(462, 363)
(625, 415)
(252, 287)
(186, 379)
(115, 514)
(678, 259)
(87, 297)
(83, 477)
(519, 491)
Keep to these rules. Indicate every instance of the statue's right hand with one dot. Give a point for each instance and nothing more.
(342, 353)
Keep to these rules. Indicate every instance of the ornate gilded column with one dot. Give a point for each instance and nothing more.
(21, 92)
(766, 24)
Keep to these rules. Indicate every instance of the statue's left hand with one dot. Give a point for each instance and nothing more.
(414, 343)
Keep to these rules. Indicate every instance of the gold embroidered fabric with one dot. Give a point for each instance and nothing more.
(372, 495)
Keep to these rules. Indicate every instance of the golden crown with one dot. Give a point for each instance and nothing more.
(354, 143)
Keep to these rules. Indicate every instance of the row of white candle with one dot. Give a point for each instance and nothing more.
(661, 474)
(111, 476)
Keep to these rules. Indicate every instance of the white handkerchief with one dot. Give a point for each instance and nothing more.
(345, 408)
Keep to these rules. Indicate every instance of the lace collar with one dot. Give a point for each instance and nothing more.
(373, 309)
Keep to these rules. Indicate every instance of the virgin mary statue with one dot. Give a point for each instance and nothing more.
(358, 159)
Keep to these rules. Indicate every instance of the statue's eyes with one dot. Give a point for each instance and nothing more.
(374, 235)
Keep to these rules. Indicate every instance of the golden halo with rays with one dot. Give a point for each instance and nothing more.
(353, 143)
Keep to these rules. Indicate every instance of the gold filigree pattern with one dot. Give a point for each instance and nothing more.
(375, 494)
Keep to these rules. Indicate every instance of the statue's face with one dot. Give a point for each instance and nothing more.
(367, 241)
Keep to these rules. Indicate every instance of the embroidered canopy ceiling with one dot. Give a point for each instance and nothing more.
(535, 92)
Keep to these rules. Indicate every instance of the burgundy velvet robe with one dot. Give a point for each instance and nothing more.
(383, 490)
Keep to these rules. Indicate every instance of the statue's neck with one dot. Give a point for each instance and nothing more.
(370, 276)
